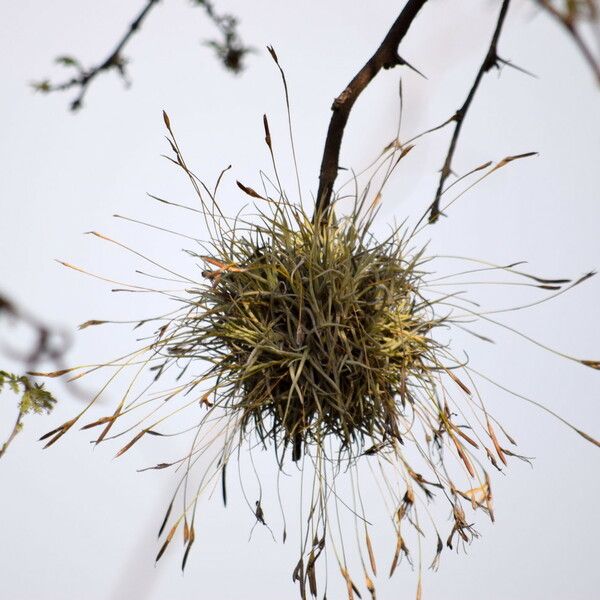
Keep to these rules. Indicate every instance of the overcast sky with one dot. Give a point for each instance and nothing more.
(76, 524)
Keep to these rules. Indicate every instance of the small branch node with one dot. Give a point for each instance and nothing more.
(342, 98)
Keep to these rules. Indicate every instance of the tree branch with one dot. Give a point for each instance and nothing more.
(385, 57)
(230, 50)
(85, 77)
(491, 60)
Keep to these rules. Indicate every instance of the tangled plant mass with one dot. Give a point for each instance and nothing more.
(314, 330)
(306, 336)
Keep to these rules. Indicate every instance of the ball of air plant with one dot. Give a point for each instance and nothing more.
(315, 331)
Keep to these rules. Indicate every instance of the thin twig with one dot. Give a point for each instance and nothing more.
(490, 61)
(114, 60)
(230, 50)
(13, 434)
(386, 57)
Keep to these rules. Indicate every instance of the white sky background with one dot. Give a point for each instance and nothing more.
(76, 524)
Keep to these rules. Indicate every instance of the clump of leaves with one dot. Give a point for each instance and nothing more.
(34, 398)
(309, 337)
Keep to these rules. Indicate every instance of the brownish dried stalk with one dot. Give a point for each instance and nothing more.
(386, 57)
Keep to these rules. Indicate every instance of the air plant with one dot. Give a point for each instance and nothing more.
(306, 336)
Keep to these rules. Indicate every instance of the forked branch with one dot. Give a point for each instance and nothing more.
(84, 77)
(229, 49)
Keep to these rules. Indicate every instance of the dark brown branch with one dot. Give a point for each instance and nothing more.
(385, 57)
(568, 21)
(490, 61)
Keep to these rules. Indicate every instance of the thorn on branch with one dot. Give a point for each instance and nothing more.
(411, 67)
(512, 65)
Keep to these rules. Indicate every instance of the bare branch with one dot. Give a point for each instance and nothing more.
(568, 20)
(230, 50)
(84, 77)
(386, 57)
(490, 61)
